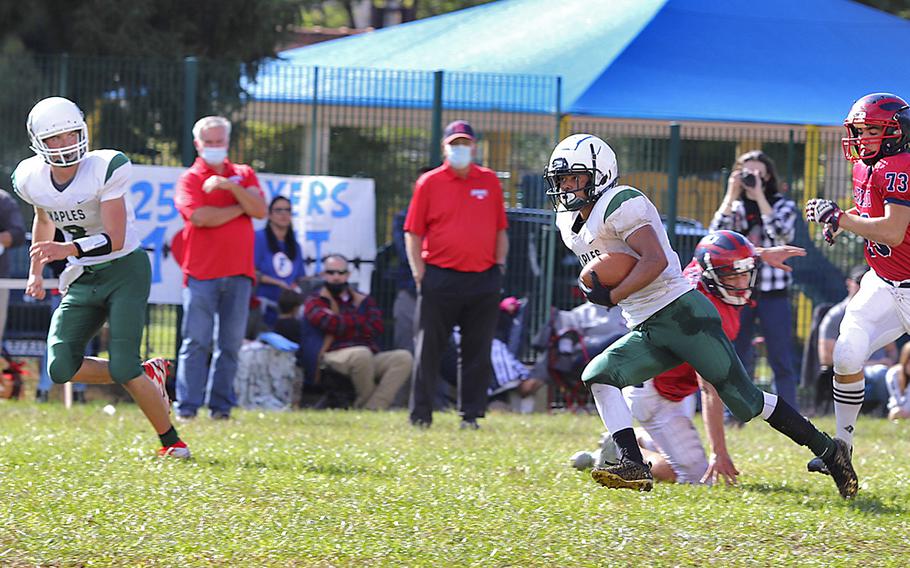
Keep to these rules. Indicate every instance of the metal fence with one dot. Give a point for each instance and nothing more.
(386, 125)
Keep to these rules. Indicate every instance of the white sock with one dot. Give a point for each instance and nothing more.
(848, 400)
(526, 404)
(769, 406)
(612, 407)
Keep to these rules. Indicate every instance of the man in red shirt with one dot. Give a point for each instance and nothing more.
(456, 241)
(217, 200)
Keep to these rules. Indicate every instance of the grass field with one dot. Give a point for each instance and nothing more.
(81, 488)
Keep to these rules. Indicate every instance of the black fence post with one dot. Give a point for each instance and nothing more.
(190, 90)
(436, 118)
(673, 183)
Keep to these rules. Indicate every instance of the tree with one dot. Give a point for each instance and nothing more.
(897, 7)
(124, 65)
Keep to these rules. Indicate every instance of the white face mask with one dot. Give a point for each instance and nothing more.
(458, 156)
(213, 155)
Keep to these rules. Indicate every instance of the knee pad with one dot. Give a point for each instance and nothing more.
(851, 350)
(62, 364)
(124, 364)
(599, 370)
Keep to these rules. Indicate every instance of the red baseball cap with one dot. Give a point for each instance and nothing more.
(458, 129)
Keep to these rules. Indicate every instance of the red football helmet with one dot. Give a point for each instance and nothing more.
(722, 254)
(889, 112)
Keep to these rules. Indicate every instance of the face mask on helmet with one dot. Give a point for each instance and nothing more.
(49, 122)
(890, 114)
(729, 266)
(581, 169)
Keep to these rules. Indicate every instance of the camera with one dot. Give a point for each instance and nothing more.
(747, 179)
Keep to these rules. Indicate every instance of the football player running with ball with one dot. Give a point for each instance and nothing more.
(878, 135)
(670, 322)
(108, 276)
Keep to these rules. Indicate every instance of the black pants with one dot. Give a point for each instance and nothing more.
(471, 301)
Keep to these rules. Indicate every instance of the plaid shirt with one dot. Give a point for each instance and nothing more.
(777, 228)
(352, 326)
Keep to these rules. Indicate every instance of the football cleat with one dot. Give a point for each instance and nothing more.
(178, 450)
(156, 370)
(816, 465)
(840, 467)
(624, 475)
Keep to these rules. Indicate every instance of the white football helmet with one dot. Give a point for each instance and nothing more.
(53, 116)
(576, 155)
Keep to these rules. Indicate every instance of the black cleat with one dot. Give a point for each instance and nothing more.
(840, 467)
(816, 465)
(624, 475)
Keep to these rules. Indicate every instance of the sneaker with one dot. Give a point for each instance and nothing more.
(624, 475)
(421, 424)
(221, 415)
(841, 469)
(178, 450)
(79, 397)
(42, 396)
(156, 370)
(469, 424)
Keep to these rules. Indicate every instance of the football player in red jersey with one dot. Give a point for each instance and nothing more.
(878, 134)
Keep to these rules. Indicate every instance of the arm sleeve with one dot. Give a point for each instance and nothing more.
(18, 188)
(416, 220)
(260, 250)
(502, 222)
(369, 318)
(189, 195)
(731, 222)
(780, 225)
(630, 216)
(317, 312)
(117, 178)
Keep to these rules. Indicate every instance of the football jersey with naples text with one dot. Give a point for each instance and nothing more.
(76, 210)
(885, 183)
(618, 213)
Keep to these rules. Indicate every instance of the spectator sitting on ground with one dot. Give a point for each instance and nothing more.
(354, 322)
(899, 386)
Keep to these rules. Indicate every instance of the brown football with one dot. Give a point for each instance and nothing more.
(611, 268)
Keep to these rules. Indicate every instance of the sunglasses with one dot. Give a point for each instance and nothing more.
(281, 210)
(335, 272)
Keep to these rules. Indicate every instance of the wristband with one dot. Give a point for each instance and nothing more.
(93, 245)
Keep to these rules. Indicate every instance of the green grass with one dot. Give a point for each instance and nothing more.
(81, 488)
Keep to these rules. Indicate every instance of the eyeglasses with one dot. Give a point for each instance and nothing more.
(281, 210)
(335, 272)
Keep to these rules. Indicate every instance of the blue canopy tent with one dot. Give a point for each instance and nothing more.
(774, 61)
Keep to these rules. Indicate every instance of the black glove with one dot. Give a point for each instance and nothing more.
(598, 293)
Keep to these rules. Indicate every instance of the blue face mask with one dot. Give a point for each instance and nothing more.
(459, 157)
(213, 155)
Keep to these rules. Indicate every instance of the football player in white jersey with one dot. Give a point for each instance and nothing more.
(108, 276)
(670, 322)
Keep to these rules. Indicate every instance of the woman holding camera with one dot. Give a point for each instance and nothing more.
(754, 207)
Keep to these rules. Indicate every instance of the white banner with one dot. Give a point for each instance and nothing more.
(330, 215)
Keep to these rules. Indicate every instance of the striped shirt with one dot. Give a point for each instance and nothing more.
(775, 229)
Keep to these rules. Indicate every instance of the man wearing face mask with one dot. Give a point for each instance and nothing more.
(456, 241)
(218, 200)
(352, 321)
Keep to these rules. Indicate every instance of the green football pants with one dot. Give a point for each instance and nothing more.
(688, 330)
(116, 291)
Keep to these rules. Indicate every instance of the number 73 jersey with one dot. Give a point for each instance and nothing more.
(885, 183)
(102, 175)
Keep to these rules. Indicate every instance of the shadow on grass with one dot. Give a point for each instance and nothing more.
(864, 502)
(317, 468)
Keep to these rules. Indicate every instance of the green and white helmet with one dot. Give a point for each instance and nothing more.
(580, 154)
(53, 116)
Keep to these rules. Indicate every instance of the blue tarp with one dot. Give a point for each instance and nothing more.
(771, 61)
